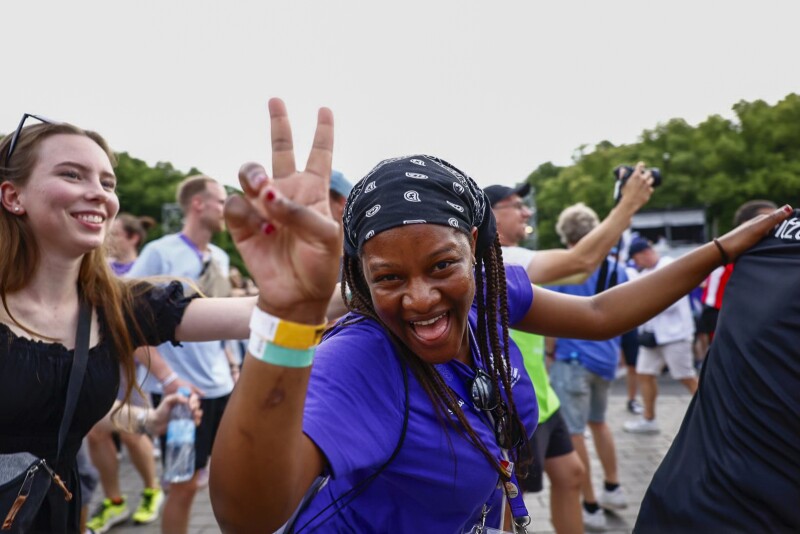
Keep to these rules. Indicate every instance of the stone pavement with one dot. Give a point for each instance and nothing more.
(638, 457)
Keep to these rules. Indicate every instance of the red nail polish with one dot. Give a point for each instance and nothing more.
(787, 208)
(267, 228)
(270, 195)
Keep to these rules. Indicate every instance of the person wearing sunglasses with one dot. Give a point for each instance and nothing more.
(411, 416)
(58, 195)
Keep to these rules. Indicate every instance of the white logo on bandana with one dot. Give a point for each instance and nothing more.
(373, 210)
(458, 188)
(418, 162)
(415, 221)
(456, 206)
(369, 234)
(416, 175)
(411, 196)
(453, 222)
(370, 187)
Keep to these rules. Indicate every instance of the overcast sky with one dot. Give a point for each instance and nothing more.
(496, 88)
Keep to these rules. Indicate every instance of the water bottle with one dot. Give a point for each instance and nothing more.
(179, 466)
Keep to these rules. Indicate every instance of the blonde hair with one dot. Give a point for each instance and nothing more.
(574, 222)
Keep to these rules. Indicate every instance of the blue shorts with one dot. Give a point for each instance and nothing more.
(583, 394)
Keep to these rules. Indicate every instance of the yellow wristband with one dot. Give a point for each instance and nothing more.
(283, 333)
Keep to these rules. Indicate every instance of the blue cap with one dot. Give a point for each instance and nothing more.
(638, 245)
(339, 184)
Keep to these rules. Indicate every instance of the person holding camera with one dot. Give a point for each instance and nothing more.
(665, 339)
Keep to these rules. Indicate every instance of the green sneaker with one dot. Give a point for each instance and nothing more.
(152, 498)
(108, 515)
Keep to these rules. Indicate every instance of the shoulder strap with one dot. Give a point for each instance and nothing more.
(81, 355)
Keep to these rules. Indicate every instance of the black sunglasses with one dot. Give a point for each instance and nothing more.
(15, 137)
(484, 398)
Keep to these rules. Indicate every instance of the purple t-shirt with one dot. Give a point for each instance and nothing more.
(354, 412)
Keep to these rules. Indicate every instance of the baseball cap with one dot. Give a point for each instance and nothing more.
(496, 193)
(339, 184)
(638, 245)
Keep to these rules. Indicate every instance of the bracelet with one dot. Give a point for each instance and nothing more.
(286, 334)
(725, 258)
(172, 377)
(268, 352)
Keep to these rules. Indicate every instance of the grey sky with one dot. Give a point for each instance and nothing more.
(496, 88)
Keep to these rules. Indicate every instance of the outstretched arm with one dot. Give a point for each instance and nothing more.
(574, 265)
(628, 305)
(262, 462)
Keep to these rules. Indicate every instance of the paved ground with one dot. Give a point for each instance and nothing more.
(638, 456)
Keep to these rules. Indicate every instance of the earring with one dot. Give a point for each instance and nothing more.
(474, 261)
(16, 209)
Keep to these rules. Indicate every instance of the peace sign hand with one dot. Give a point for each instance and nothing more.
(283, 225)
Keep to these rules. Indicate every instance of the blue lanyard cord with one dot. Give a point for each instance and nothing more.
(518, 509)
(192, 246)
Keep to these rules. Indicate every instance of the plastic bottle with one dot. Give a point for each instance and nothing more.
(179, 466)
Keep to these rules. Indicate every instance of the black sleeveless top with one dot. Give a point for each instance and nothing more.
(735, 464)
(33, 391)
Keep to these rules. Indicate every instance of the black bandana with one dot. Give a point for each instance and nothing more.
(416, 190)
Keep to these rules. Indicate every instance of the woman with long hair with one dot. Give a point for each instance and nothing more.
(57, 189)
(411, 416)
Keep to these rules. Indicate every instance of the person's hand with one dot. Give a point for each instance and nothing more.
(748, 234)
(158, 419)
(178, 383)
(638, 189)
(283, 227)
(235, 372)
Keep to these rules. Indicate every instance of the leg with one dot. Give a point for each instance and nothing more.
(604, 445)
(104, 457)
(178, 506)
(649, 387)
(586, 482)
(140, 449)
(690, 383)
(565, 473)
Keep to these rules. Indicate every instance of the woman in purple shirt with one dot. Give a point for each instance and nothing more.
(416, 402)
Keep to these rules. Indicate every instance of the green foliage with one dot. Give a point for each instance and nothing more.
(718, 165)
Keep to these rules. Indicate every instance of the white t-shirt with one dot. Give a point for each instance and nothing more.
(518, 256)
(676, 322)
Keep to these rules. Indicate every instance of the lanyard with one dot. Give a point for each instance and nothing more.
(511, 488)
(200, 255)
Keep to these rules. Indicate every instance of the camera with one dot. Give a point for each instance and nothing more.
(623, 172)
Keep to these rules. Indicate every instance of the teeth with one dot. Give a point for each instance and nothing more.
(429, 321)
(94, 219)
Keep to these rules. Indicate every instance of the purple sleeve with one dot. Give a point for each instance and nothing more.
(354, 405)
(520, 293)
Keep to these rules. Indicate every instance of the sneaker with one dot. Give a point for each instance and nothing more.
(635, 407)
(641, 426)
(595, 521)
(613, 500)
(108, 515)
(150, 505)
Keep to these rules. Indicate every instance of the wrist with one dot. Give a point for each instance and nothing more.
(141, 422)
(303, 313)
(169, 379)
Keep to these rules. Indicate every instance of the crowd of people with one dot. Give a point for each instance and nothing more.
(452, 368)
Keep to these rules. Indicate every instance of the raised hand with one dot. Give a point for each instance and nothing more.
(283, 226)
(748, 234)
(638, 188)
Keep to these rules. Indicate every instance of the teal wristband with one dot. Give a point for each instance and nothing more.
(265, 351)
